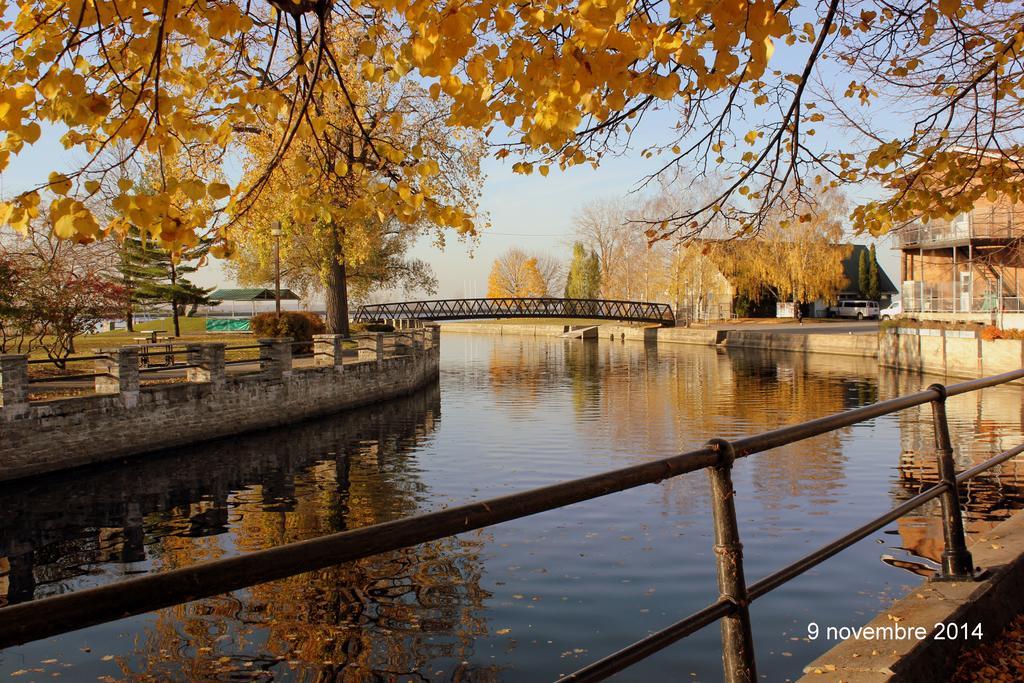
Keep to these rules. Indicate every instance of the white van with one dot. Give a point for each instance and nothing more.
(856, 308)
(891, 311)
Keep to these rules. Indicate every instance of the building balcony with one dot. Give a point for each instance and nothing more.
(984, 226)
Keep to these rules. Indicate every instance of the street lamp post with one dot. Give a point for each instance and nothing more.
(275, 230)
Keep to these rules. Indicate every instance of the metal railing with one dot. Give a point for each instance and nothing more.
(62, 613)
(520, 307)
(982, 296)
(996, 222)
(78, 376)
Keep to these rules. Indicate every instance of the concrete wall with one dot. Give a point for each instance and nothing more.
(953, 353)
(860, 345)
(39, 437)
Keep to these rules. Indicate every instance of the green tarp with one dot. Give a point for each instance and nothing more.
(227, 324)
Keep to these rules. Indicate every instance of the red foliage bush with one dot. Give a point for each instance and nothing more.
(990, 333)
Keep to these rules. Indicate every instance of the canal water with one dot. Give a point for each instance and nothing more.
(526, 600)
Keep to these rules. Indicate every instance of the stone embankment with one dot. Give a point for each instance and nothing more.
(125, 418)
(860, 345)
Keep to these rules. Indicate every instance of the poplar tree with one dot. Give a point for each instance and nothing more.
(862, 274)
(584, 279)
(873, 286)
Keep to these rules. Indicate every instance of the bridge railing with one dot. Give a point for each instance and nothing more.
(62, 613)
(518, 307)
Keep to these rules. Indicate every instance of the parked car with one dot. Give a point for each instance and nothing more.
(856, 308)
(891, 311)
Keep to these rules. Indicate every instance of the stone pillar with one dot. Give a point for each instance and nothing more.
(121, 368)
(13, 385)
(207, 361)
(375, 350)
(327, 350)
(419, 339)
(435, 336)
(276, 358)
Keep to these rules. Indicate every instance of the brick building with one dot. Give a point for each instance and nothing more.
(966, 269)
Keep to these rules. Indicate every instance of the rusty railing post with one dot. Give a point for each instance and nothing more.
(957, 562)
(737, 640)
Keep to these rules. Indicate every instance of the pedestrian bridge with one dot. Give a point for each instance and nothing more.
(525, 307)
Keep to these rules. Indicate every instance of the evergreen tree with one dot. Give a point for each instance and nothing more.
(152, 275)
(862, 274)
(873, 287)
(140, 273)
(584, 279)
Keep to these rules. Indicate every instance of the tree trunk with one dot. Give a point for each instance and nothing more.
(174, 300)
(337, 286)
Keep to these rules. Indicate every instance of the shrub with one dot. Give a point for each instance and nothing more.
(299, 325)
(991, 332)
(360, 328)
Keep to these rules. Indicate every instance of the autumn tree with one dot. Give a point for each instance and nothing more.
(630, 267)
(793, 260)
(385, 264)
(345, 201)
(515, 274)
(60, 291)
(12, 320)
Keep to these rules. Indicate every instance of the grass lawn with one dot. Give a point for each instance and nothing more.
(192, 330)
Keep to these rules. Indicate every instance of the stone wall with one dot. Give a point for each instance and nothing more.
(125, 419)
(954, 353)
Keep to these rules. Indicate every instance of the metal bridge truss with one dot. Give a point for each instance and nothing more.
(530, 307)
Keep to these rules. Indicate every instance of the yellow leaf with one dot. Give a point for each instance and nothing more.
(218, 190)
(30, 132)
(59, 183)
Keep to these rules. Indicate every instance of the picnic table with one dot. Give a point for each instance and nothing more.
(152, 347)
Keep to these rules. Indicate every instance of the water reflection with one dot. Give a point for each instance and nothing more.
(982, 425)
(529, 599)
(383, 616)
